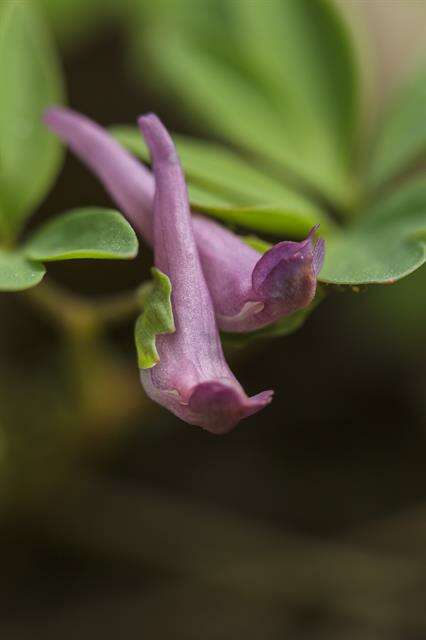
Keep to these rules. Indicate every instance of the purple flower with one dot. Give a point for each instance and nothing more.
(253, 291)
(249, 290)
(191, 378)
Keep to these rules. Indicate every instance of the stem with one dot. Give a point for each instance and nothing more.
(76, 314)
(106, 390)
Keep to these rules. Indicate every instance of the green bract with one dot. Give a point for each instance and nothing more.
(17, 272)
(30, 80)
(84, 233)
(156, 318)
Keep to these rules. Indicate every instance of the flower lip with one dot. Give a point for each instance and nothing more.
(222, 406)
(216, 405)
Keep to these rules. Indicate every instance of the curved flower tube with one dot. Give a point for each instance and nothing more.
(191, 378)
(249, 290)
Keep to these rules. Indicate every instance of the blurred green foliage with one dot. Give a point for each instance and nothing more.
(401, 140)
(282, 81)
(276, 78)
(30, 157)
(30, 80)
(75, 20)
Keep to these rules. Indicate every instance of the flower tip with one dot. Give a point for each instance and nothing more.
(157, 137)
(313, 231)
(147, 118)
(318, 256)
(219, 406)
(261, 400)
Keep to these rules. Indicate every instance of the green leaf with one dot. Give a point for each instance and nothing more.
(305, 53)
(226, 186)
(30, 80)
(387, 243)
(218, 169)
(203, 199)
(84, 233)
(17, 272)
(278, 78)
(156, 319)
(272, 219)
(402, 138)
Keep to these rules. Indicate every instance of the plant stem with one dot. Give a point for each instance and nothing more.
(77, 314)
(106, 390)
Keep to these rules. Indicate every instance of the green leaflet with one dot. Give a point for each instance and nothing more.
(30, 80)
(271, 219)
(320, 92)
(224, 185)
(17, 272)
(156, 318)
(402, 136)
(92, 232)
(217, 168)
(387, 243)
(303, 52)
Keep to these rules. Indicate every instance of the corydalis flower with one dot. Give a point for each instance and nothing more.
(249, 291)
(191, 377)
(254, 291)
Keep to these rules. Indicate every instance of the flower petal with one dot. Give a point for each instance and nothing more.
(175, 251)
(127, 181)
(191, 378)
(223, 406)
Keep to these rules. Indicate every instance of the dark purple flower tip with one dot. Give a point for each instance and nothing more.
(218, 405)
(287, 273)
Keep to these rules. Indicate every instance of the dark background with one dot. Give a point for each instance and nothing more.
(308, 521)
